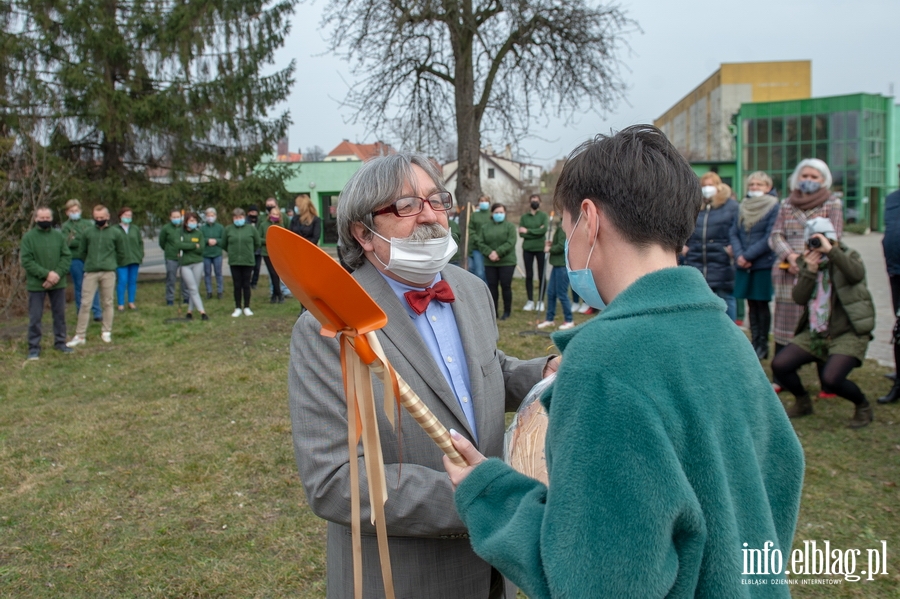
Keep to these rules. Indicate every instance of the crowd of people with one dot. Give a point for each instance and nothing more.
(103, 259)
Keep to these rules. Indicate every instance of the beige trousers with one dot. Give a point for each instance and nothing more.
(106, 280)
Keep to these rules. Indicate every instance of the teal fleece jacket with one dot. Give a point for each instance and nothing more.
(665, 451)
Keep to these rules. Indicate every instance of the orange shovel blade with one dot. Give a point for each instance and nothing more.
(327, 290)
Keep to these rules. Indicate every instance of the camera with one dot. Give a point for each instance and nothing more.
(813, 243)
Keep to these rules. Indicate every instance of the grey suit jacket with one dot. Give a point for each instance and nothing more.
(430, 554)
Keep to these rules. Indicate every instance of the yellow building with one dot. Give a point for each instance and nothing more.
(698, 125)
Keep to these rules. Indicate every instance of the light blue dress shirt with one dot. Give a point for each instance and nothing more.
(437, 326)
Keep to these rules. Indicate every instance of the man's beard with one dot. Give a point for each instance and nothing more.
(428, 231)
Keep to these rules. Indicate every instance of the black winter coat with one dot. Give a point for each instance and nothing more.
(891, 240)
(706, 247)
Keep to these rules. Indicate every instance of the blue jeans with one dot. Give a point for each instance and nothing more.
(126, 279)
(730, 303)
(476, 265)
(558, 289)
(77, 272)
(210, 265)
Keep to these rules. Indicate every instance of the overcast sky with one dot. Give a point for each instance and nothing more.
(854, 47)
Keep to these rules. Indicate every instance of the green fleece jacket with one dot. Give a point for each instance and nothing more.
(666, 453)
(190, 244)
(558, 247)
(41, 252)
(73, 231)
(477, 220)
(500, 238)
(168, 235)
(103, 249)
(454, 232)
(536, 233)
(263, 231)
(134, 244)
(241, 244)
(212, 231)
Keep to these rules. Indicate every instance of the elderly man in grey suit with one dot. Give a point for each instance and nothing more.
(441, 337)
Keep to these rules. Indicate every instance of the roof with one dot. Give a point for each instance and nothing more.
(362, 151)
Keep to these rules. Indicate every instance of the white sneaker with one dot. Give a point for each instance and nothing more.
(545, 324)
(540, 307)
(575, 307)
(566, 326)
(583, 309)
(248, 312)
(107, 337)
(237, 312)
(76, 341)
(529, 306)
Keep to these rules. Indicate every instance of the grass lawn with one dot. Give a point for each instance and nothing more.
(161, 465)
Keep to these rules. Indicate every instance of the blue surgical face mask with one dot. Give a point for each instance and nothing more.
(484, 205)
(191, 226)
(176, 221)
(809, 186)
(239, 222)
(75, 216)
(582, 281)
(499, 217)
(126, 220)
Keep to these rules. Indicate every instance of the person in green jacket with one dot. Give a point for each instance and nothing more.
(558, 288)
(836, 325)
(127, 273)
(103, 248)
(212, 253)
(168, 234)
(190, 244)
(533, 227)
(273, 219)
(669, 456)
(454, 232)
(497, 242)
(477, 219)
(46, 258)
(73, 229)
(241, 240)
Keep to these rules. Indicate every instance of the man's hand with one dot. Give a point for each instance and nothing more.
(210, 242)
(812, 258)
(51, 280)
(456, 473)
(493, 256)
(523, 230)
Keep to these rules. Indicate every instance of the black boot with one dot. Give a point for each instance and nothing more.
(754, 326)
(765, 322)
(893, 395)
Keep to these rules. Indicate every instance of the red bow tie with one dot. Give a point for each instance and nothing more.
(419, 300)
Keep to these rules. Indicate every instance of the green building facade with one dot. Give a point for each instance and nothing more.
(858, 136)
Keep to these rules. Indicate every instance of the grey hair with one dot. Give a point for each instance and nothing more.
(378, 183)
(760, 176)
(210, 209)
(815, 163)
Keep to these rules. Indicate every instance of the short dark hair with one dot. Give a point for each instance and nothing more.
(123, 210)
(639, 180)
(534, 195)
(498, 205)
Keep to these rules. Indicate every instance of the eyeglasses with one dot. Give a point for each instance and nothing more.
(440, 201)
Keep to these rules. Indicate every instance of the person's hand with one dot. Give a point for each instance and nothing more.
(684, 251)
(523, 230)
(792, 260)
(825, 246)
(52, 278)
(547, 245)
(729, 251)
(210, 242)
(550, 367)
(493, 256)
(741, 262)
(812, 258)
(456, 473)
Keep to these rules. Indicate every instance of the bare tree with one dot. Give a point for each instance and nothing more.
(483, 65)
(314, 154)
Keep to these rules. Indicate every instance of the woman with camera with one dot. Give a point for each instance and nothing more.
(835, 324)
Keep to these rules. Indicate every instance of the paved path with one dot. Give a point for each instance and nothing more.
(869, 246)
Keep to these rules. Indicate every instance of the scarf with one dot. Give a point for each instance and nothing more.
(820, 304)
(753, 209)
(810, 201)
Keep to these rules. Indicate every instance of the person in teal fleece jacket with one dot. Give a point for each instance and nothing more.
(668, 453)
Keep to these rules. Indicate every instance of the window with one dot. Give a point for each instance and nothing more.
(490, 173)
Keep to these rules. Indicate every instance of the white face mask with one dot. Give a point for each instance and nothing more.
(418, 261)
(755, 194)
(708, 191)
